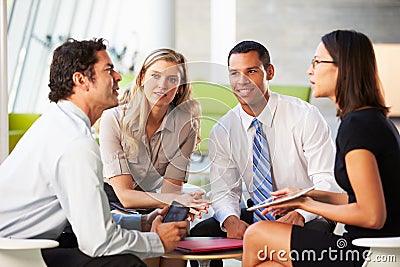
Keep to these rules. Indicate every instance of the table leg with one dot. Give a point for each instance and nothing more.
(204, 263)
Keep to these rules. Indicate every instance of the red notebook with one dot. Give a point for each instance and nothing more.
(207, 245)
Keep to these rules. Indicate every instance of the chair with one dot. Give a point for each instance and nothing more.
(18, 124)
(302, 92)
(127, 81)
(23, 252)
(215, 100)
(385, 251)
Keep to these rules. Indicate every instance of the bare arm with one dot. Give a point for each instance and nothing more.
(124, 188)
(171, 186)
(318, 195)
(370, 209)
(329, 197)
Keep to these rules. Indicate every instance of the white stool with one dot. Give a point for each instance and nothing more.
(23, 252)
(385, 251)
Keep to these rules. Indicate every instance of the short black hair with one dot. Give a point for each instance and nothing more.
(247, 46)
(70, 57)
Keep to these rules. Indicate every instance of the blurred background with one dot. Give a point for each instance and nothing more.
(202, 30)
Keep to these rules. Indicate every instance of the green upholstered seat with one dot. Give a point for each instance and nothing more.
(216, 100)
(18, 124)
(302, 92)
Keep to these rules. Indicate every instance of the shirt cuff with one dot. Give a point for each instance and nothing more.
(308, 216)
(128, 221)
(221, 224)
(116, 166)
(157, 247)
(221, 216)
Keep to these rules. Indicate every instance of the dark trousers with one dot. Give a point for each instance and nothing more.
(68, 255)
(211, 227)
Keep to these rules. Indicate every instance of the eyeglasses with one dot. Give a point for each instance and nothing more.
(316, 61)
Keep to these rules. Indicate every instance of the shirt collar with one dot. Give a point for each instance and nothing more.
(266, 116)
(167, 123)
(71, 107)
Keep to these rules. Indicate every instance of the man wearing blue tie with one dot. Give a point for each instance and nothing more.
(269, 141)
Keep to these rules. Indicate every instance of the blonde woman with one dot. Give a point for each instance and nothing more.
(146, 142)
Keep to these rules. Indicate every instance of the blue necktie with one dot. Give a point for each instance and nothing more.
(262, 180)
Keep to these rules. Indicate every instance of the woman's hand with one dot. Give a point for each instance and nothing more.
(278, 194)
(287, 206)
(194, 200)
(285, 191)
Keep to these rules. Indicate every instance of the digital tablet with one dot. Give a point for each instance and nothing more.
(276, 200)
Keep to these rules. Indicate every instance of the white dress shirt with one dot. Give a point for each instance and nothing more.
(301, 150)
(54, 176)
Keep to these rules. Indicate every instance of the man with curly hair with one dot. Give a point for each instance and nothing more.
(53, 178)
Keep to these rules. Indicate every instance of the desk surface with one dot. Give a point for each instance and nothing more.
(217, 255)
(212, 255)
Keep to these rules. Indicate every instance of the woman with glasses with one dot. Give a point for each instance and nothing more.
(366, 167)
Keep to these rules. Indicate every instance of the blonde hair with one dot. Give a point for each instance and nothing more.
(137, 108)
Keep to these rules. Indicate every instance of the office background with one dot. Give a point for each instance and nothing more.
(202, 30)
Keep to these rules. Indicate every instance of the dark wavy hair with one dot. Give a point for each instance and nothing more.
(247, 46)
(358, 83)
(72, 56)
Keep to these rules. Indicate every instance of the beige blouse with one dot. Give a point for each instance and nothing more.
(166, 154)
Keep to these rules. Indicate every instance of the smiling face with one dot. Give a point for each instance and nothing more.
(161, 82)
(323, 77)
(249, 80)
